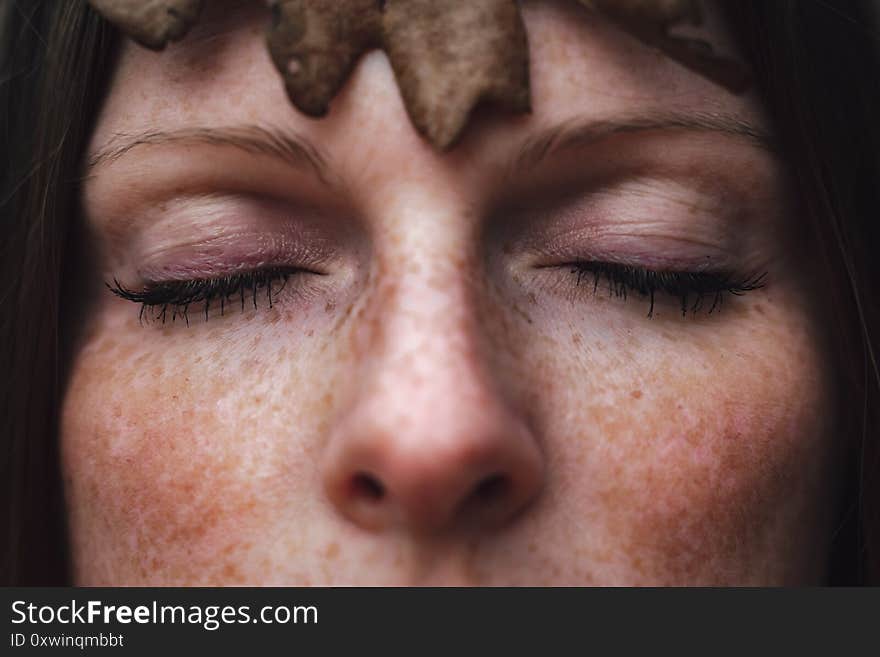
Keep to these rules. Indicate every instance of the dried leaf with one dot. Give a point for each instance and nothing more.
(315, 44)
(447, 56)
(152, 23)
(450, 56)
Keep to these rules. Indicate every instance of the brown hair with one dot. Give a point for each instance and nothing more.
(815, 62)
(55, 59)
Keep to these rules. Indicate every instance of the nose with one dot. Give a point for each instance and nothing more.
(430, 445)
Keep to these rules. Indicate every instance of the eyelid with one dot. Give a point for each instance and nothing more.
(238, 250)
(649, 252)
(193, 232)
(648, 226)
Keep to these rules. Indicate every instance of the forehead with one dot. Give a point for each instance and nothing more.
(580, 66)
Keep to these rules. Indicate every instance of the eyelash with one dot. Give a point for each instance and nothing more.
(691, 288)
(178, 296)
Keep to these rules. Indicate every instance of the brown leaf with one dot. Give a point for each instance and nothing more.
(447, 56)
(315, 44)
(152, 23)
(450, 56)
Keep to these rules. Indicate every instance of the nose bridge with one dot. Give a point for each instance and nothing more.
(429, 387)
(429, 349)
(428, 437)
(423, 337)
(429, 395)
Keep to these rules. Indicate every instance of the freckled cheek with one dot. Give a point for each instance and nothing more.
(690, 465)
(743, 488)
(173, 481)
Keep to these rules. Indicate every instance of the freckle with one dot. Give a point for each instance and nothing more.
(394, 238)
(636, 394)
(576, 338)
(331, 551)
(329, 307)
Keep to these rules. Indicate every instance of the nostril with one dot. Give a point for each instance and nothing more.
(365, 485)
(492, 488)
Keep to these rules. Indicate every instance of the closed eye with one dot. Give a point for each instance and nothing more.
(167, 300)
(694, 290)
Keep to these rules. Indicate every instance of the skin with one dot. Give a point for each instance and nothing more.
(436, 400)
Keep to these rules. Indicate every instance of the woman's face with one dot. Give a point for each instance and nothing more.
(440, 393)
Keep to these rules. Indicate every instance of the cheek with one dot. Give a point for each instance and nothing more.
(716, 489)
(691, 459)
(185, 467)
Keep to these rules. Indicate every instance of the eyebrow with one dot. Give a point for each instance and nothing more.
(301, 153)
(579, 133)
(254, 139)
